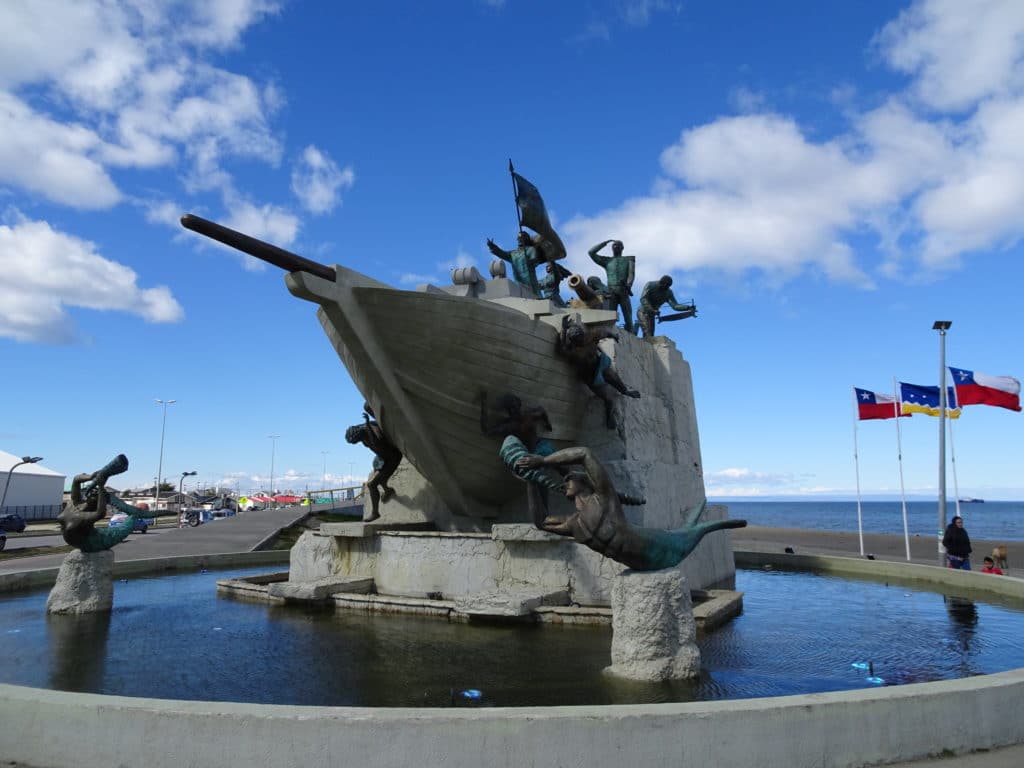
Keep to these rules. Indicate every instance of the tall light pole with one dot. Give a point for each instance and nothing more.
(323, 475)
(273, 446)
(10, 475)
(942, 326)
(160, 466)
(181, 491)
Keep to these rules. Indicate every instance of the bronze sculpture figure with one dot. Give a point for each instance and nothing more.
(524, 260)
(78, 519)
(548, 285)
(521, 432)
(656, 293)
(386, 459)
(620, 271)
(578, 343)
(600, 524)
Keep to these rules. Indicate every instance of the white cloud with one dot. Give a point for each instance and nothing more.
(978, 204)
(317, 180)
(101, 84)
(638, 13)
(760, 192)
(411, 278)
(53, 159)
(959, 53)
(46, 271)
(164, 212)
(737, 481)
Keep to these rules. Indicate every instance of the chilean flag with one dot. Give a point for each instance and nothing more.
(871, 405)
(981, 389)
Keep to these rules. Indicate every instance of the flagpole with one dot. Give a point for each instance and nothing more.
(856, 468)
(942, 326)
(952, 455)
(515, 196)
(897, 409)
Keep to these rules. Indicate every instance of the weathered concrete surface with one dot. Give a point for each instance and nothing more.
(849, 729)
(506, 604)
(85, 583)
(654, 453)
(514, 557)
(319, 590)
(654, 635)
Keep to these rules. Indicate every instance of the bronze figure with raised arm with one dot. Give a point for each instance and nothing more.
(620, 271)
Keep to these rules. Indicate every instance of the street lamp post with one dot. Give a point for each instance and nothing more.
(10, 475)
(323, 475)
(273, 446)
(181, 491)
(942, 326)
(160, 466)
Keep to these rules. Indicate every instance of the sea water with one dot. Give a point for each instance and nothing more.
(992, 520)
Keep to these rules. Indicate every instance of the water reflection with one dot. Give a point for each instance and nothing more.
(78, 650)
(963, 615)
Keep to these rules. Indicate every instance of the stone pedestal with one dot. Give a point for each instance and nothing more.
(84, 584)
(653, 630)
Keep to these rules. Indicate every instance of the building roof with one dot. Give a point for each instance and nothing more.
(8, 460)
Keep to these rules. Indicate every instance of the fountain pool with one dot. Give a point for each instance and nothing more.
(172, 637)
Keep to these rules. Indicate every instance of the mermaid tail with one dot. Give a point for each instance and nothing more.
(105, 538)
(513, 449)
(665, 549)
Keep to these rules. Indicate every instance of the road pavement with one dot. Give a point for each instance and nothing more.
(244, 532)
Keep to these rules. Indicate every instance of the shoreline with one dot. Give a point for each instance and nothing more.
(884, 546)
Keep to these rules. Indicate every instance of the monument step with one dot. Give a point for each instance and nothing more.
(507, 605)
(319, 590)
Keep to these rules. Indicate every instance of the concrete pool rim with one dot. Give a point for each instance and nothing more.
(849, 728)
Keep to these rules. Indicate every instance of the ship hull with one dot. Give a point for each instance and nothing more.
(422, 359)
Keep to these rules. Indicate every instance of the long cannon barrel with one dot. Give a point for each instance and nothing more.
(279, 257)
(588, 295)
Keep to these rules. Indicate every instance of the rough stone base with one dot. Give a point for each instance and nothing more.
(321, 589)
(84, 584)
(506, 604)
(653, 629)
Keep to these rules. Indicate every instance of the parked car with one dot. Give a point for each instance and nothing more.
(12, 522)
(119, 518)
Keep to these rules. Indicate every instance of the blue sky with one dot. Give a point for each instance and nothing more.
(825, 180)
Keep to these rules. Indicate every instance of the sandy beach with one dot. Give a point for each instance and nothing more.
(923, 549)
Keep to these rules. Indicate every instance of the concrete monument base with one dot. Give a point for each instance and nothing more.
(653, 630)
(511, 559)
(85, 583)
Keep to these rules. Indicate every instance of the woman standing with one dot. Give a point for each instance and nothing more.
(958, 545)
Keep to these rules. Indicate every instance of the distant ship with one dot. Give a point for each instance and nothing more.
(970, 500)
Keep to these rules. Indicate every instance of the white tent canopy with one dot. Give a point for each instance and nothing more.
(33, 491)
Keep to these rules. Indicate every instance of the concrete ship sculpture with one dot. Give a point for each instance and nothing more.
(421, 359)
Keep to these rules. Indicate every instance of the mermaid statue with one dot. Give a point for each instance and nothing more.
(89, 506)
(599, 523)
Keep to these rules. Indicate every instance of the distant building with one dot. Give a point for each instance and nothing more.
(33, 491)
